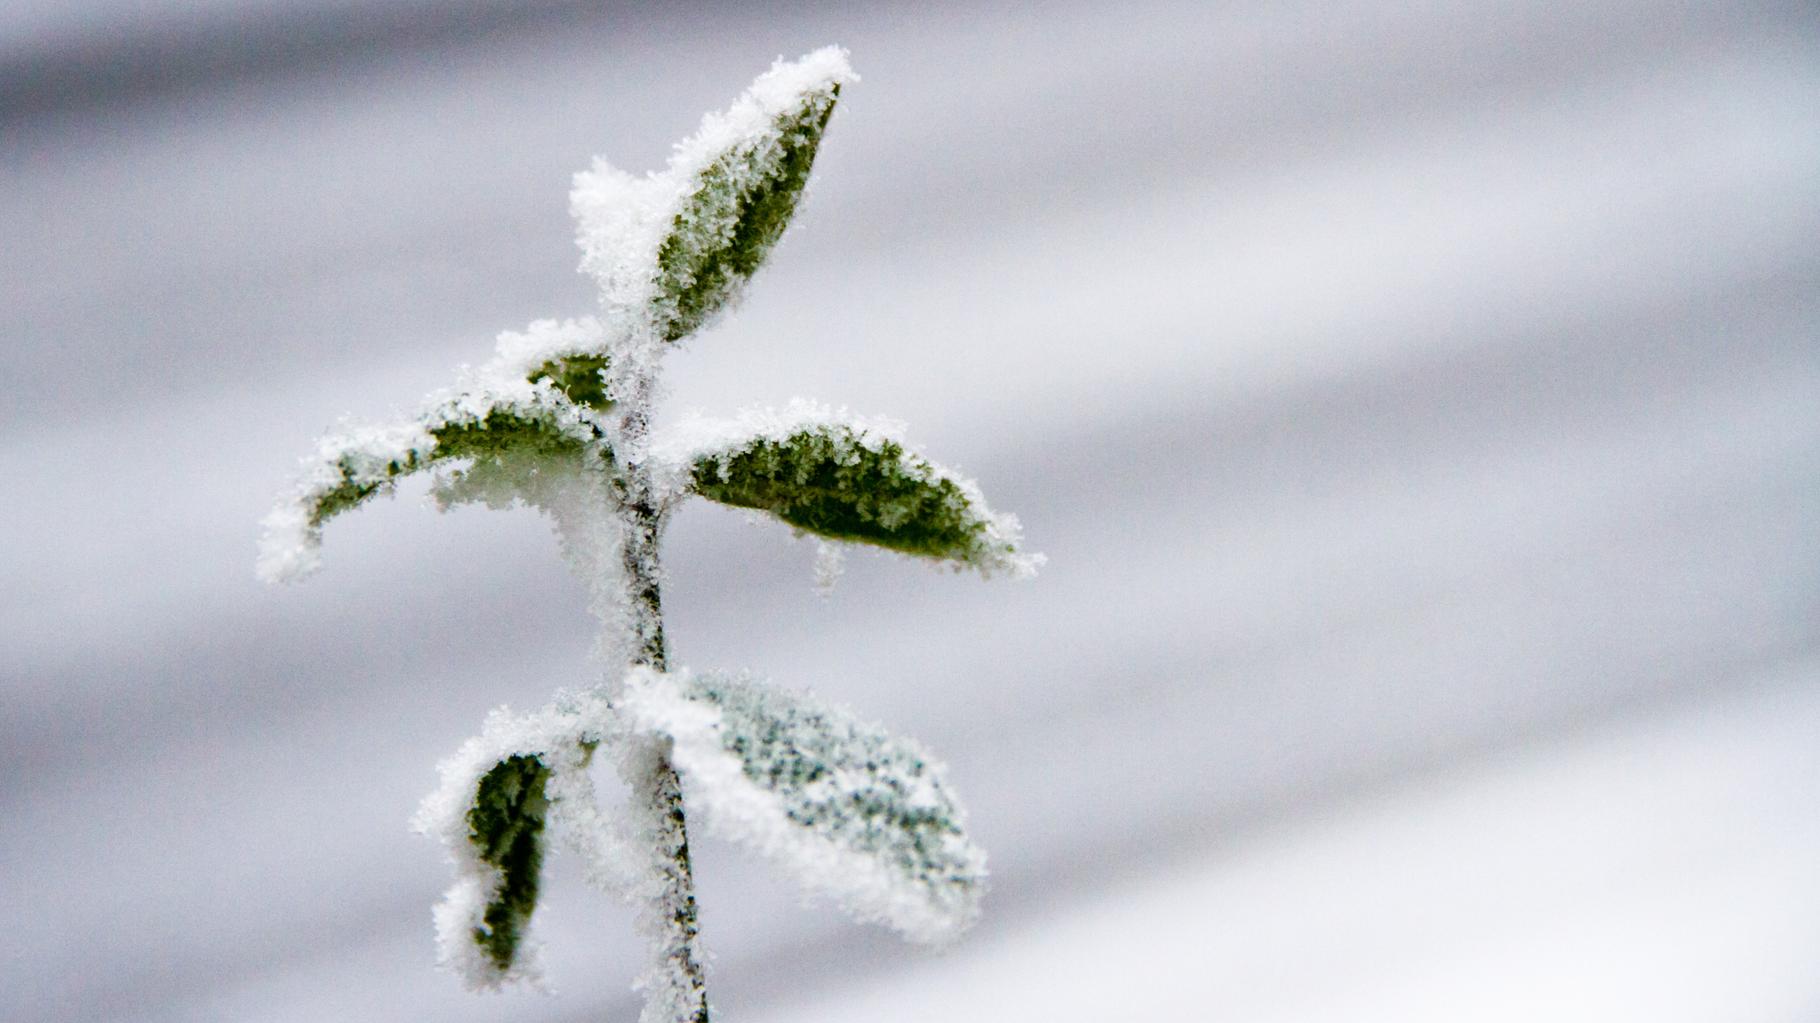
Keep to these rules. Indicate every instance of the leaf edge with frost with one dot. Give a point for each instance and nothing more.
(845, 478)
(864, 868)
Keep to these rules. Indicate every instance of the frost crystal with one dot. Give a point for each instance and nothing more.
(847, 809)
(830, 562)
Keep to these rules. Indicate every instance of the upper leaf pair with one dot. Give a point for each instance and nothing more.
(671, 251)
(822, 472)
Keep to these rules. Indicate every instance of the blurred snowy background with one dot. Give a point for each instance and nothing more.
(1419, 404)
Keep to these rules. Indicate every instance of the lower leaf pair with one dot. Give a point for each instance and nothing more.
(848, 810)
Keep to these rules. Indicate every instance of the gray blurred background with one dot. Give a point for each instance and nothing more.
(1419, 404)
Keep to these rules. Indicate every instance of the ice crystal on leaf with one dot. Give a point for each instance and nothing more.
(560, 419)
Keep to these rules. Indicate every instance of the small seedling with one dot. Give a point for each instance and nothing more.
(559, 420)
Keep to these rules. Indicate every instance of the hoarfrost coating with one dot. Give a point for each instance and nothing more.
(848, 810)
(360, 462)
(624, 223)
(560, 739)
(788, 462)
(560, 420)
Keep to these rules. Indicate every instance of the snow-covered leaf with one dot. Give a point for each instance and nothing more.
(581, 377)
(846, 478)
(672, 250)
(501, 797)
(509, 420)
(846, 808)
(744, 172)
(571, 354)
(505, 826)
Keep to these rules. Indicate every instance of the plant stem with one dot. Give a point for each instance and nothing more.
(657, 789)
(679, 943)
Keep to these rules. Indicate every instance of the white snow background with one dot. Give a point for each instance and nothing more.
(1419, 405)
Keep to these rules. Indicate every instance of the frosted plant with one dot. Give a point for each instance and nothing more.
(559, 419)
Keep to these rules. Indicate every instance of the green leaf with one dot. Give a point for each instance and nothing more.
(509, 434)
(366, 471)
(737, 208)
(501, 799)
(847, 808)
(847, 483)
(579, 377)
(506, 826)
